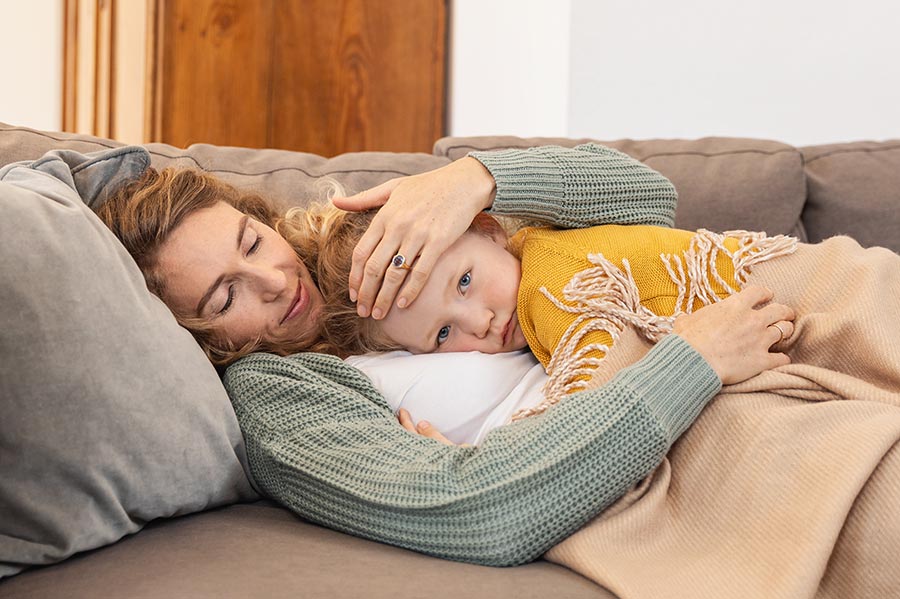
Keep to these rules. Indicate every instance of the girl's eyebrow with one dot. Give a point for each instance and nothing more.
(242, 228)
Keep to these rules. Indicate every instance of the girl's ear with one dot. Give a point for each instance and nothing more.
(487, 225)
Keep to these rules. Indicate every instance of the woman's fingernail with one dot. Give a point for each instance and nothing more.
(352, 295)
(424, 425)
(362, 311)
(376, 313)
(401, 303)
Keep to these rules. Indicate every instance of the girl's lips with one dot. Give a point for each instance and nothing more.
(298, 304)
(508, 329)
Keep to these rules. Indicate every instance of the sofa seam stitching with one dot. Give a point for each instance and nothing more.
(852, 151)
(706, 154)
(200, 166)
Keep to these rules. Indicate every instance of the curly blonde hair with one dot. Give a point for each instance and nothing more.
(329, 235)
(144, 213)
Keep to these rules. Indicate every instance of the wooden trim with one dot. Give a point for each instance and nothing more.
(111, 70)
(153, 30)
(155, 62)
(96, 82)
(70, 66)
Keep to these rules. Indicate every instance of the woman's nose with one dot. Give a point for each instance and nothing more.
(269, 282)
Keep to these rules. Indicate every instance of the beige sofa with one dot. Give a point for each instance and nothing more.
(249, 547)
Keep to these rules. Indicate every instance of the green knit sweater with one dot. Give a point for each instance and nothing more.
(322, 441)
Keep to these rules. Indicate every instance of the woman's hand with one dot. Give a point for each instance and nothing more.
(422, 216)
(736, 334)
(423, 429)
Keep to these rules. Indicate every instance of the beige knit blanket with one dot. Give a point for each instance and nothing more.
(788, 485)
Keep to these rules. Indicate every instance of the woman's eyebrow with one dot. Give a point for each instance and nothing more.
(242, 228)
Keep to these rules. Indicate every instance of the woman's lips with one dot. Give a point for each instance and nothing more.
(298, 304)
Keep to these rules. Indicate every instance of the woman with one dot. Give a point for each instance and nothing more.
(322, 441)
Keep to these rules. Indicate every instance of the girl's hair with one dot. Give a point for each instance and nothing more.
(330, 235)
(144, 212)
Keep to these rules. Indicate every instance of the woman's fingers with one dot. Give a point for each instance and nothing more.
(735, 335)
(423, 428)
(422, 216)
(368, 199)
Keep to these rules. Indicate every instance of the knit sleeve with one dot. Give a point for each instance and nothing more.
(323, 442)
(579, 187)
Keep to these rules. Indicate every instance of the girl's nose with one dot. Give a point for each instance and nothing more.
(478, 322)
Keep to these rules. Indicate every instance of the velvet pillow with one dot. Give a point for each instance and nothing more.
(111, 414)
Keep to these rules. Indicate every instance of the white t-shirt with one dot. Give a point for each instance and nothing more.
(464, 395)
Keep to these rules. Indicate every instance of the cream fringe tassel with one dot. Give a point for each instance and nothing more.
(605, 298)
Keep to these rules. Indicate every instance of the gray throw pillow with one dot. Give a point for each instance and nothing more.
(110, 414)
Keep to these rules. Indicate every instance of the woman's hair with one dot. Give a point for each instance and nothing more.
(143, 214)
(330, 235)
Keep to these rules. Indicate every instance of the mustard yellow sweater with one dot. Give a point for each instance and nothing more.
(580, 286)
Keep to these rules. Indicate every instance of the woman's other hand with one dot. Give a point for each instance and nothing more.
(423, 429)
(735, 335)
(422, 216)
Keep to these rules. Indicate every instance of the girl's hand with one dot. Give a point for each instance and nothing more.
(422, 216)
(736, 334)
(423, 429)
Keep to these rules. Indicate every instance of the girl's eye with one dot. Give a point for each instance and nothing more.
(228, 301)
(443, 334)
(464, 281)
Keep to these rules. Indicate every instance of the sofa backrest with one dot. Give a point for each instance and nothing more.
(723, 183)
(726, 183)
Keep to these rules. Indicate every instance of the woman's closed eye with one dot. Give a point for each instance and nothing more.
(255, 246)
(228, 301)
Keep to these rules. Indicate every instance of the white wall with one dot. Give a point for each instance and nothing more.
(800, 71)
(508, 71)
(31, 42)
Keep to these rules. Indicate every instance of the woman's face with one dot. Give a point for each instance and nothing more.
(240, 275)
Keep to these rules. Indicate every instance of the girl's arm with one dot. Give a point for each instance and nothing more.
(322, 441)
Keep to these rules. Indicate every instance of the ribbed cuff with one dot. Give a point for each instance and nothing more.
(524, 178)
(676, 383)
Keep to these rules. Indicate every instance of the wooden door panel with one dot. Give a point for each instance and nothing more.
(324, 76)
(213, 72)
(358, 75)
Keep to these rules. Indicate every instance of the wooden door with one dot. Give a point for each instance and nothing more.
(322, 76)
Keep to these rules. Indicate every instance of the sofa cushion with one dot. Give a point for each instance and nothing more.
(111, 414)
(854, 189)
(722, 183)
(287, 178)
(264, 551)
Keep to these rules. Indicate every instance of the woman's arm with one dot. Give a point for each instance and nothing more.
(569, 187)
(579, 187)
(323, 442)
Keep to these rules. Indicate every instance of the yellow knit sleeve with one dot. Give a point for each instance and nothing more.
(546, 268)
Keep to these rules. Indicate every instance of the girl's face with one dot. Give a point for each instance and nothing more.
(240, 275)
(468, 304)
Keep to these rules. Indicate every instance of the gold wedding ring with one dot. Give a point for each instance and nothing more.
(780, 330)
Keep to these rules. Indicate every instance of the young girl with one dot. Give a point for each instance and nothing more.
(568, 295)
